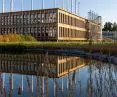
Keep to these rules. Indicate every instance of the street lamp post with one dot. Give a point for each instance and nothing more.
(11, 9)
(54, 3)
(67, 5)
(71, 5)
(78, 8)
(63, 4)
(21, 5)
(31, 4)
(3, 6)
(42, 4)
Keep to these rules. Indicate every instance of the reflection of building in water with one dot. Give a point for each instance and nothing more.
(100, 78)
(69, 64)
(39, 64)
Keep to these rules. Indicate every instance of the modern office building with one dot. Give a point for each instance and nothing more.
(49, 25)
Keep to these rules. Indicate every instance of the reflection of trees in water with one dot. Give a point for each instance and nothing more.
(102, 82)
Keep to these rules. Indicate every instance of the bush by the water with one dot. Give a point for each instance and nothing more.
(16, 38)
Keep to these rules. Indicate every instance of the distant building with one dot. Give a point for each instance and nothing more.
(109, 35)
(49, 25)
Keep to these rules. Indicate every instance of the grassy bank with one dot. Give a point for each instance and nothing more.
(23, 46)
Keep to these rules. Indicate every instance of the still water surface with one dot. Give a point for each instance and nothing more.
(44, 75)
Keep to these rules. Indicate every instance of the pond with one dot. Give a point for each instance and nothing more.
(48, 75)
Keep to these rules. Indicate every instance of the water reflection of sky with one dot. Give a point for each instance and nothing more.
(79, 79)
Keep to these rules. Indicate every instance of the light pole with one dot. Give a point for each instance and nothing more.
(67, 5)
(78, 8)
(31, 4)
(54, 3)
(11, 9)
(71, 5)
(21, 5)
(3, 6)
(63, 4)
(75, 6)
(42, 4)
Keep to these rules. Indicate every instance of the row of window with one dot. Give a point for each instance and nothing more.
(63, 67)
(28, 19)
(65, 19)
(66, 32)
(21, 66)
(28, 57)
(45, 31)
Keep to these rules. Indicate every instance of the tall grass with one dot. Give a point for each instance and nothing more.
(16, 38)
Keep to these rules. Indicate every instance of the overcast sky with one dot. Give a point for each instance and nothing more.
(106, 8)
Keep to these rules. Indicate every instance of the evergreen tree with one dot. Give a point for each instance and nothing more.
(110, 26)
(114, 27)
